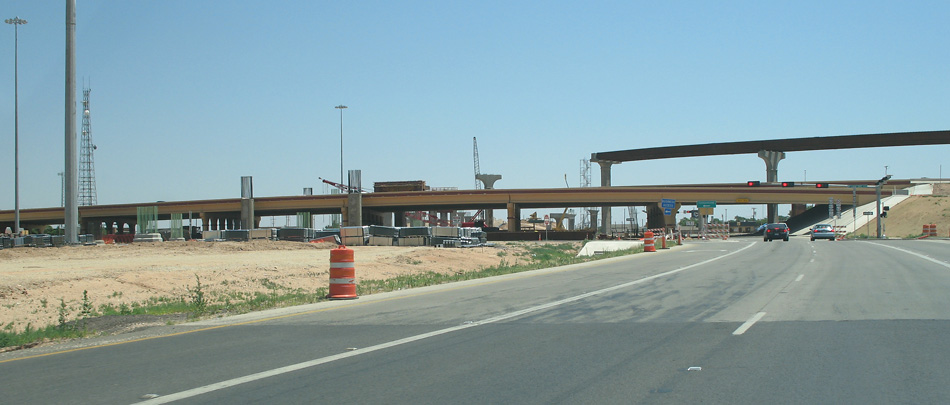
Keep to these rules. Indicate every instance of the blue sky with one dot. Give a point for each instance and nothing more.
(188, 96)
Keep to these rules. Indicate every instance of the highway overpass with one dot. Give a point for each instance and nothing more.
(226, 213)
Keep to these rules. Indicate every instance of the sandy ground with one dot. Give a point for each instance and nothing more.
(34, 280)
(907, 218)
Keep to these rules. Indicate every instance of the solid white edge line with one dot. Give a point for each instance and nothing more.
(299, 366)
(748, 324)
(942, 263)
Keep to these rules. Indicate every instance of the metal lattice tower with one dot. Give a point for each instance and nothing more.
(87, 166)
(478, 184)
(585, 182)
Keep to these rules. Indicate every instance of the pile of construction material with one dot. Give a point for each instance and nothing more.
(42, 240)
(306, 234)
(239, 235)
(439, 236)
(394, 186)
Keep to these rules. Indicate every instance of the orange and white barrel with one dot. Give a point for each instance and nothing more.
(930, 229)
(648, 241)
(342, 274)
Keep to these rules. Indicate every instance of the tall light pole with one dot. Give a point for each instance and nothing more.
(341, 107)
(71, 211)
(16, 21)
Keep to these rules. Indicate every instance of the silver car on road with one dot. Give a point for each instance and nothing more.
(823, 231)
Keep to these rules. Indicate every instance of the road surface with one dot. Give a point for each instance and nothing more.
(737, 321)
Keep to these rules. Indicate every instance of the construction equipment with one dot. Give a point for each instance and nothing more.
(478, 184)
(427, 218)
(343, 188)
(475, 222)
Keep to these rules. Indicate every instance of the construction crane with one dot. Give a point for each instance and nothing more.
(343, 188)
(478, 184)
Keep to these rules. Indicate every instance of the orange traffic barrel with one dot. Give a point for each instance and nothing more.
(648, 242)
(342, 274)
(930, 229)
(663, 241)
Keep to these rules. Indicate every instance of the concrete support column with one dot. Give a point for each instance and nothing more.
(247, 214)
(488, 181)
(655, 217)
(205, 221)
(605, 182)
(399, 218)
(771, 159)
(593, 217)
(514, 217)
(354, 210)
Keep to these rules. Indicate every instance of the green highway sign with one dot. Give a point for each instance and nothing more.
(705, 204)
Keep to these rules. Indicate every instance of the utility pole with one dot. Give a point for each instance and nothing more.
(17, 22)
(71, 213)
(341, 107)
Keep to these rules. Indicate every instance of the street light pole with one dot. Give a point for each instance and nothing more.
(16, 21)
(341, 107)
(877, 189)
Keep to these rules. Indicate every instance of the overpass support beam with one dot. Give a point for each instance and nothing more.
(771, 159)
(655, 217)
(353, 212)
(593, 217)
(514, 217)
(399, 218)
(605, 182)
(488, 183)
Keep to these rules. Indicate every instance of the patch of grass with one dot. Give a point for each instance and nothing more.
(30, 336)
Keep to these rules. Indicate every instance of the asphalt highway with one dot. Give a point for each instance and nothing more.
(737, 321)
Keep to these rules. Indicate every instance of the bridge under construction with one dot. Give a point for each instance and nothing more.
(389, 208)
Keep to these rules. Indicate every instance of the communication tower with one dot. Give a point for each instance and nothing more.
(478, 184)
(87, 166)
(585, 182)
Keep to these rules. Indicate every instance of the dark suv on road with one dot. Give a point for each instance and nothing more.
(775, 231)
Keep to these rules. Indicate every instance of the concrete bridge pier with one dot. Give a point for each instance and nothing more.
(514, 217)
(399, 218)
(605, 182)
(593, 217)
(655, 217)
(771, 159)
(488, 183)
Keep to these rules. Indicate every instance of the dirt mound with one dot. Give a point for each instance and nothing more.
(907, 218)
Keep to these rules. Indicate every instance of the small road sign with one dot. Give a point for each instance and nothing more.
(706, 204)
(667, 211)
(668, 203)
